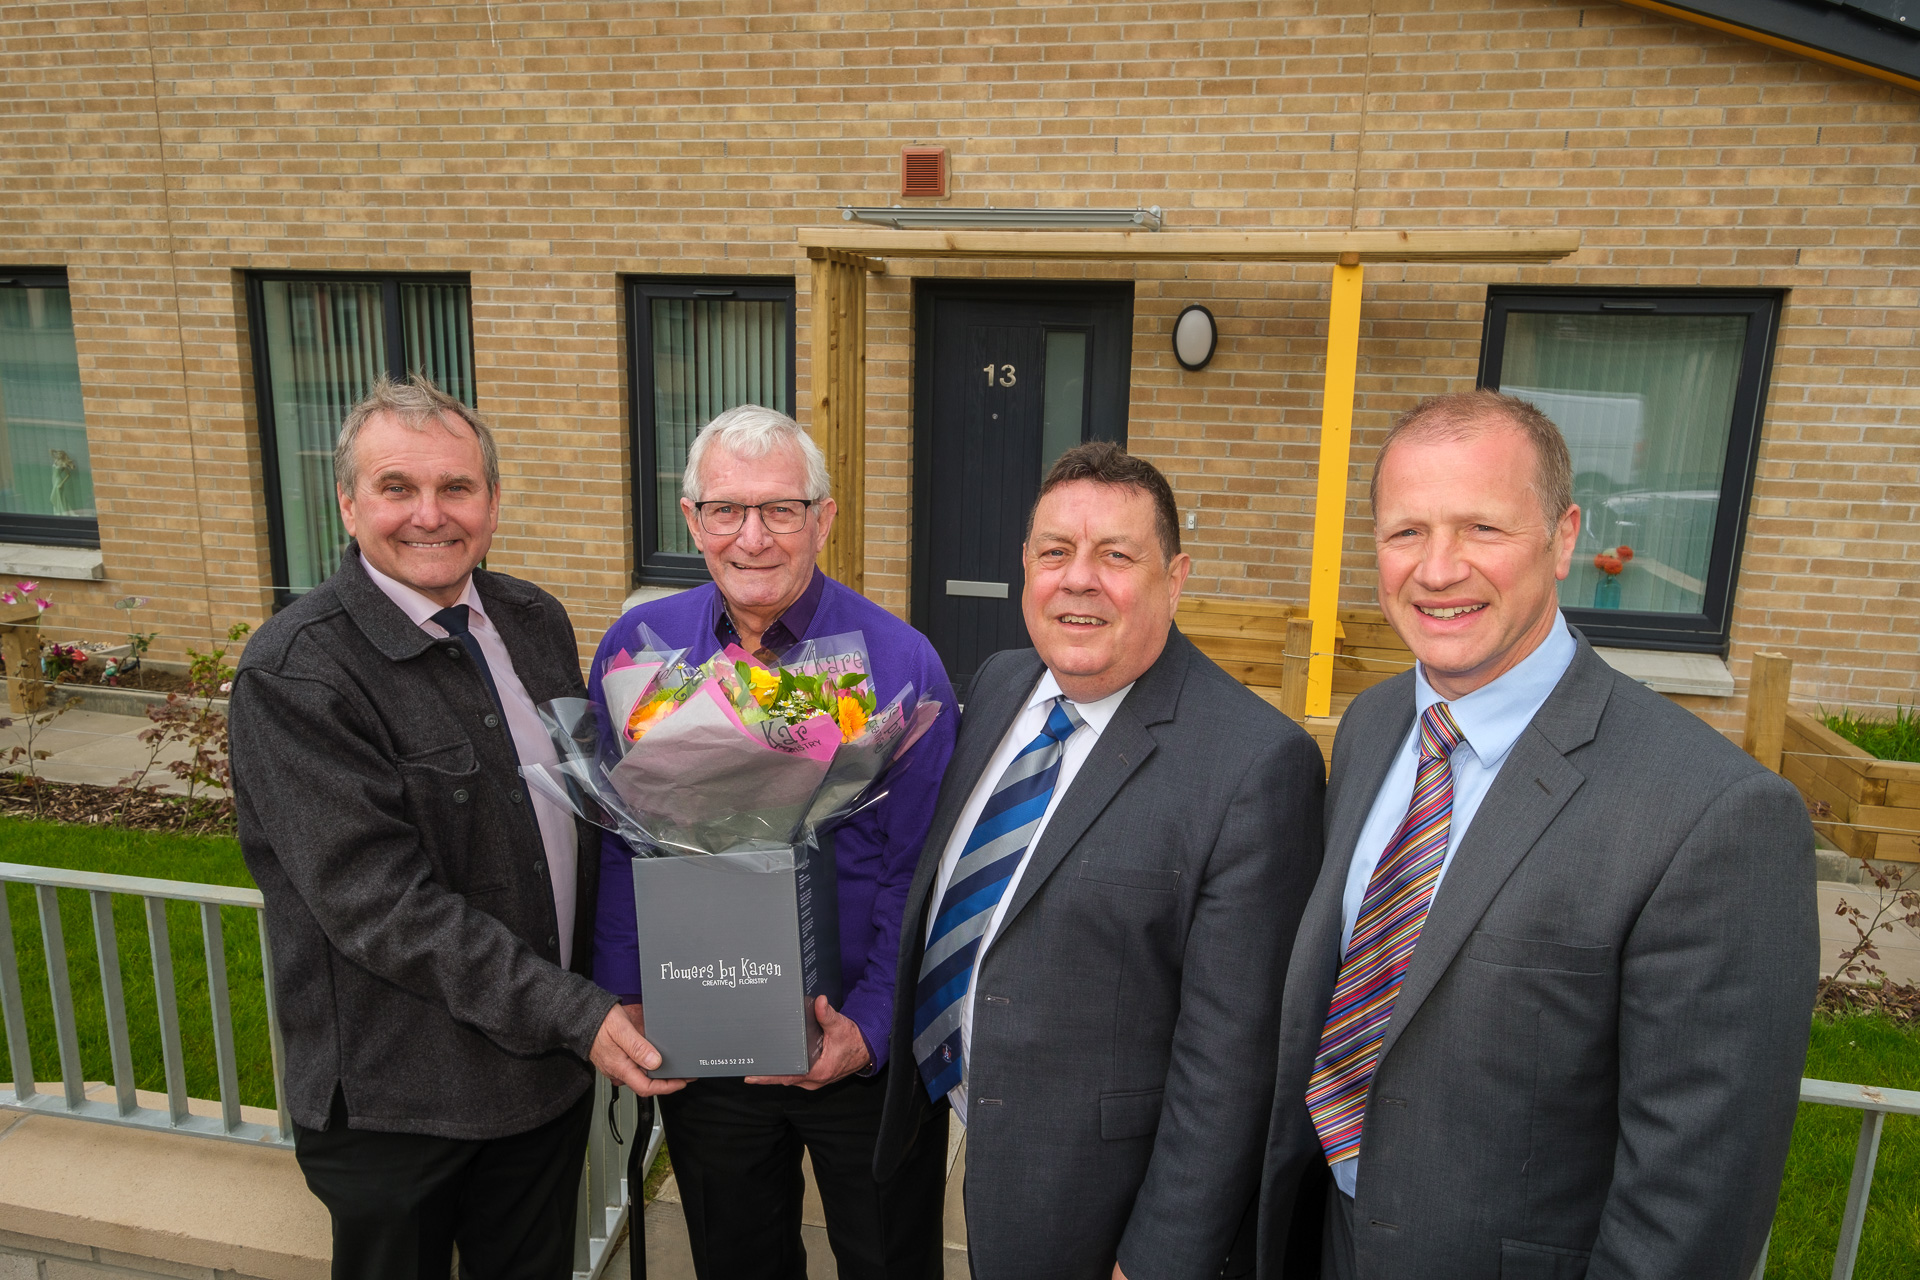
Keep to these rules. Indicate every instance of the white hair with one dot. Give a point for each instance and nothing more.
(752, 431)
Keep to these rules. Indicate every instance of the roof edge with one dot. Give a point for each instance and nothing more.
(1824, 32)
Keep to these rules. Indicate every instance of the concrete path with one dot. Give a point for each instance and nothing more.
(92, 747)
(668, 1258)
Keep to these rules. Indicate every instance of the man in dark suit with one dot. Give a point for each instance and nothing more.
(430, 918)
(1095, 936)
(1547, 1010)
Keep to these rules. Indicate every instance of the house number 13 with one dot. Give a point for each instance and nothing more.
(1006, 378)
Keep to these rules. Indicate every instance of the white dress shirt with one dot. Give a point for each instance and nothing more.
(1490, 719)
(1025, 728)
(557, 832)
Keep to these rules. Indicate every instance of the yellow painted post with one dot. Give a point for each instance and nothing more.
(1330, 504)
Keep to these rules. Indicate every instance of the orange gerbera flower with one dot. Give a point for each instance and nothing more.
(851, 717)
(646, 715)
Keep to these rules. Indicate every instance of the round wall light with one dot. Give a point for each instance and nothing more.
(1194, 337)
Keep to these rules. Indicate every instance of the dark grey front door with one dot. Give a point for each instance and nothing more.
(1006, 379)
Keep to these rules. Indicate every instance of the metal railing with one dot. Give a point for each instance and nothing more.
(1878, 1104)
(604, 1194)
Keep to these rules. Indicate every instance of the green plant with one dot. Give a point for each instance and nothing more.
(29, 751)
(192, 721)
(138, 642)
(1894, 737)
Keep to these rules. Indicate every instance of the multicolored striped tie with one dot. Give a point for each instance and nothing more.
(1384, 935)
(981, 875)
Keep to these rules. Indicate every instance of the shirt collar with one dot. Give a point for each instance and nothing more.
(418, 608)
(1492, 717)
(1097, 714)
(789, 629)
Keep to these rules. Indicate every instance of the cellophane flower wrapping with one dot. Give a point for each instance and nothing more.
(730, 756)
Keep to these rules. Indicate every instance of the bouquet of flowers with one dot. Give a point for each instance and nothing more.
(731, 755)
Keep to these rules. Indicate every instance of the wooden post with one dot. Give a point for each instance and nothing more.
(1330, 504)
(839, 377)
(1293, 668)
(20, 646)
(1767, 689)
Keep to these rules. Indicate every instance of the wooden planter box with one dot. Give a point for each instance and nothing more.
(1870, 808)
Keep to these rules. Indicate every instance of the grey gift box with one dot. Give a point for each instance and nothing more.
(733, 949)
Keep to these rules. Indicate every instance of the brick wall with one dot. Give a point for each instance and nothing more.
(160, 151)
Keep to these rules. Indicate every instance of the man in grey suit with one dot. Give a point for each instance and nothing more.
(1095, 937)
(1548, 1006)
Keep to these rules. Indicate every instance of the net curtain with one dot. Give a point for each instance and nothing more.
(326, 343)
(1646, 405)
(709, 355)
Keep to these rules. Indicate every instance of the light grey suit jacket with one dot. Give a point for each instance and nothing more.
(1126, 1013)
(1592, 1067)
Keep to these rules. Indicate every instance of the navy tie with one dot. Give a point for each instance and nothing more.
(454, 618)
(986, 865)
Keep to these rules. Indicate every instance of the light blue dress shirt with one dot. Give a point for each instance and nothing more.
(1491, 719)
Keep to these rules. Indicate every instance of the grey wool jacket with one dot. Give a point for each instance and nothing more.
(415, 949)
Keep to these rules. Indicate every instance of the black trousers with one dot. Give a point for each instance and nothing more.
(400, 1201)
(736, 1160)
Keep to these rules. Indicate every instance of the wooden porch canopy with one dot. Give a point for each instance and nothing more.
(843, 256)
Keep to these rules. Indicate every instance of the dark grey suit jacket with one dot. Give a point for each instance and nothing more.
(1125, 1014)
(381, 813)
(1593, 1063)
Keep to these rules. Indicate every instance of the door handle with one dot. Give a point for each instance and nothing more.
(984, 590)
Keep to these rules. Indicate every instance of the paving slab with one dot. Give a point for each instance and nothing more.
(670, 1258)
(1899, 947)
(93, 747)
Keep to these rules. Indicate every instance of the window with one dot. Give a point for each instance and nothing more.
(1659, 395)
(46, 480)
(318, 344)
(699, 347)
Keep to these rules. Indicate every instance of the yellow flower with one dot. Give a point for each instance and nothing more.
(852, 718)
(763, 684)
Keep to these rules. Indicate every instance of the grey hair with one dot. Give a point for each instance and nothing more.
(416, 402)
(753, 431)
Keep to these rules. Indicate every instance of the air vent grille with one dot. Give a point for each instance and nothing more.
(923, 171)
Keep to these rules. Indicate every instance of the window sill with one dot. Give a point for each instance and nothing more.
(645, 595)
(29, 560)
(1664, 672)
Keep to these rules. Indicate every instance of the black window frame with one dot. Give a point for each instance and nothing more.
(49, 531)
(1708, 631)
(651, 565)
(394, 325)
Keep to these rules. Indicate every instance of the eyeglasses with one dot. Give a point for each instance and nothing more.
(722, 519)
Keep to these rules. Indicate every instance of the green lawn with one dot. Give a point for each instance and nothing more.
(201, 859)
(1863, 1050)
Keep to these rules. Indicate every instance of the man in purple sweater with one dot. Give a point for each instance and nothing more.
(757, 500)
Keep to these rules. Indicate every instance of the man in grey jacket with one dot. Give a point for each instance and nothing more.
(1548, 1006)
(430, 918)
(1091, 957)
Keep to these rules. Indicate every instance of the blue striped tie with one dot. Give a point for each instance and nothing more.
(980, 877)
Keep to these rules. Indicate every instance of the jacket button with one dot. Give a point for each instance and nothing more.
(492, 722)
(460, 796)
(518, 796)
(539, 867)
(553, 944)
(452, 651)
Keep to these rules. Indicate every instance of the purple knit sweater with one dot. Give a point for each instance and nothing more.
(875, 853)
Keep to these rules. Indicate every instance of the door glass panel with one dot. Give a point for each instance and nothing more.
(1646, 405)
(326, 343)
(1063, 406)
(44, 469)
(709, 355)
